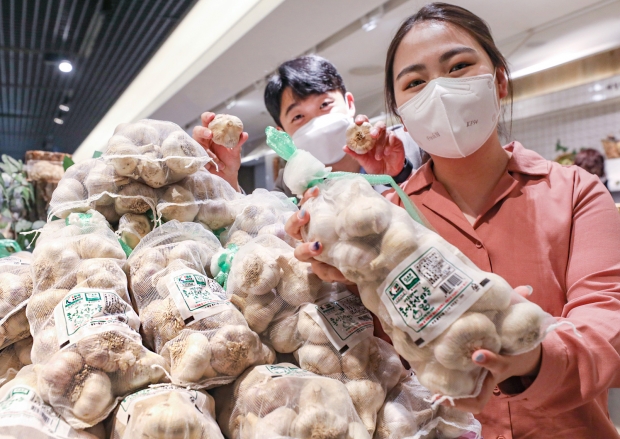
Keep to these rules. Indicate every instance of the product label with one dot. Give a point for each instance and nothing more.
(13, 261)
(195, 295)
(157, 394)
(429, 290)
(284, 369)
(87, 311)
(343, 318)
(23, 407)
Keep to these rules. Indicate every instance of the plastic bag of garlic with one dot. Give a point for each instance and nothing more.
(433, 302)
(166, 411)
(13, 358)
(15, 290)
(407, 414)
(185, 314)
(283, 401)
(95, 184)
(23, 414)
(87, 350)
(154, 152)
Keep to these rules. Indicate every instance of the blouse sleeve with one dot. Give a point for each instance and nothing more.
(576, 369)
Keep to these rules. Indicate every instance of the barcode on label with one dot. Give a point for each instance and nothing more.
(451, 283)
(434, 267)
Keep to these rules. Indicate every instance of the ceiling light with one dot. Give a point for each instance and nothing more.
(371, 21)
(65, 66)
(63, 107)
(230, 103)
(59, 121)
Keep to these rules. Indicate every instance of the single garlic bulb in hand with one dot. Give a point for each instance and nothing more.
(359, 139)
(226, 130)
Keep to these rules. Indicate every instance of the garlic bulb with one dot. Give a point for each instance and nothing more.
(310, 331)
(497, 298)
(276, 423)
(54, 265)
(126, 162)
(92, 398)
(226, 130)
(23, 348)
(191, 359)
(44, 345)
(133, 228)
(135, 198)
(521, 327)
(233, 349)
(298, 284)
(318, 359)
(355, 363)
(70, 192)
(239, 238)
(177, 146)
(103, 273)
(350, 256)
(151, 169)
(55, 377)
(319, 423)
(171, 419)
(283, 335)
(359, 139)
(470, 332)
(364, 217)
(254, 217)
(368, 397)
(439, 379)
(357, 431)
(215, 214)
(109, 351)
(148, 369)
(179, 204)
(258, 273)
(161, 322)
(94, 246)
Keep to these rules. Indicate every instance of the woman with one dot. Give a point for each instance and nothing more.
(511, 212)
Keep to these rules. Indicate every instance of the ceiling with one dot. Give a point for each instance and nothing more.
(107, 41)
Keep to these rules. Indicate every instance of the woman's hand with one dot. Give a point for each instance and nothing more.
(228, 160)
(523, 367)
(388, 155)
(307, 251)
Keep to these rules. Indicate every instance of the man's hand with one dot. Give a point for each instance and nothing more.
(228, 160)
(388, 155)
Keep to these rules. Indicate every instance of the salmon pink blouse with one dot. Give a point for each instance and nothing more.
(557, 229)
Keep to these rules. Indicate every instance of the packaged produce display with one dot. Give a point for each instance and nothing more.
(434, 303)
(184, 313)
(166, 411)
(285, 401)
(15, 290)
(13, 358)
(407, 414)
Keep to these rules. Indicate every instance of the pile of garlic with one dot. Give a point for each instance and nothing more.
(377, 245)
(184, 313)
(13, 358)
(285, 401)
(166, 412)
(15, 290)
(407, 414)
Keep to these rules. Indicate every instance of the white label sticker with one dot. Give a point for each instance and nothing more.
(284, 369)
(128, 405)
(429, 290)
(23, 407)
(195, 295)
(13, 260)
(87, 311)
(343, 318)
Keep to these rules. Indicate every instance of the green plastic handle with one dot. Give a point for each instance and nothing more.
(280, 142)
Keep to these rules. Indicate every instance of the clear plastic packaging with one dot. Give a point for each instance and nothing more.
(166, 411)
(283, 401)
(15, 290)
(407, 414)
(154, 152)
(184, 313)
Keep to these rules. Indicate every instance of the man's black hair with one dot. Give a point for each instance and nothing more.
(306, 75)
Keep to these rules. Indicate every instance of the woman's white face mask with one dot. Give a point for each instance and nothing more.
(324, 137)
(452, 117)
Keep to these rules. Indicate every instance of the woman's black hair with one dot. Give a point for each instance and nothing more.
(306, 75)
(457, 16)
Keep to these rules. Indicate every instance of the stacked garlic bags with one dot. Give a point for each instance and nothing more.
(184, 313)
(87, 350)
(13, 358)
(23, 413)
(15, 290)
(166, 411)
(407, 414)
(435, 304)
(283, 401)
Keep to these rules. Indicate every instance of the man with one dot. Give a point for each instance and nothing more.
(308, 100)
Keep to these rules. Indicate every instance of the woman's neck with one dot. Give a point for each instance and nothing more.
(471, 180)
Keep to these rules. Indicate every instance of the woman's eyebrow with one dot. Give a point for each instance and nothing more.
(410, 69)
(456, 51)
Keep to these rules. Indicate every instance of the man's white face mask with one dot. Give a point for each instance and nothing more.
(452, 117)
(324, 137)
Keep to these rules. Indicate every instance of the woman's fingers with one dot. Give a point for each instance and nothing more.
(360, 119)
(295, 223)
(308, 250)
(310, 193)
(524, 291)
(206, 118)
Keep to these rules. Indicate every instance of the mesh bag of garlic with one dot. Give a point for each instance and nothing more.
(13, 358)
(95, 184)
(24, 414)
(268, 284)
(166, 411)
(154, 152)
(260, 213)
(201, 197)
(433, 302)
(284, 401)
(408, 414)
(184, 313)
(338, 342)
(15, 290)
(87, 350)
(132, 227)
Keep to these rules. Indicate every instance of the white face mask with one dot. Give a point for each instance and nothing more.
(324, 137)
(452, 117)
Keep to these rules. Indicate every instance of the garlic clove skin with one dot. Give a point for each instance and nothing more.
(298, 284)
(135, 198)
(497, 298)
(310, 331)
(55, 377)
(171, 419)
(319, 423)
(521, 327)
(283, 335)
(363, 218)
(108, 351)
(259, 311)
(324, 392)
(182, 204)
(191, 361)
(178, 145)
(368, 397)
(121, 146)
(353, 259)
(276, 423)
(470, 332)
(233, 349)
(94, 399)
(359, 139)
(439, 379)
(226, 130)
(319, 359)
(355, 363)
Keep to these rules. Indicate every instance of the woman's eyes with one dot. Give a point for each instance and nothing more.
(459, 66)
(296, 118)
(414, 83)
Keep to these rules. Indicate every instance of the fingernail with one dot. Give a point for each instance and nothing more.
(315, 190)
(374, 132)
(301, 214)
(316, 246)
(529, 287)
(479, 358)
